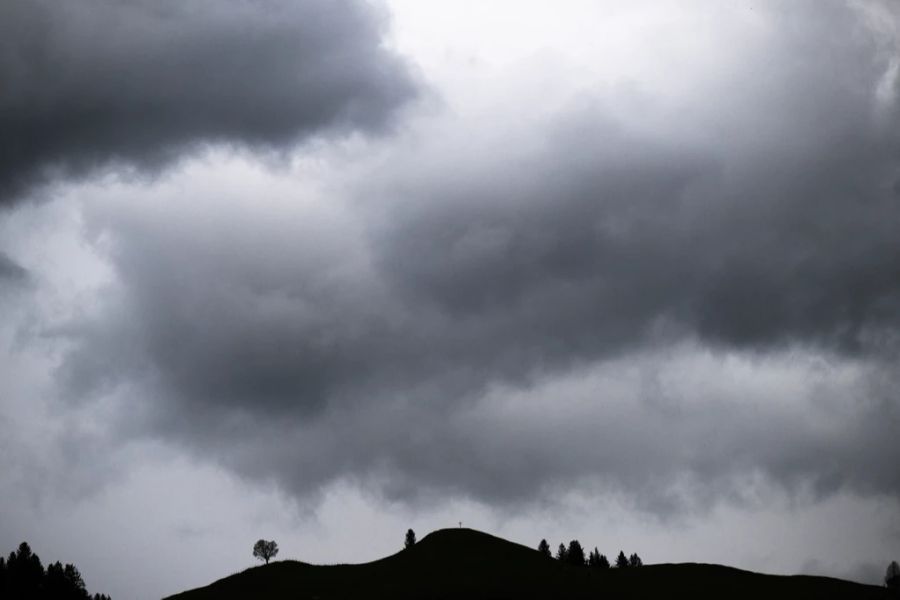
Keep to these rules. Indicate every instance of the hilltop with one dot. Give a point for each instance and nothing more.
(464, 563)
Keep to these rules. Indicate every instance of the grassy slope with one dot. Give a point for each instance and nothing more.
(462, 563)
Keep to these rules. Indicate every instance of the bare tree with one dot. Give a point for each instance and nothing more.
(264, 550)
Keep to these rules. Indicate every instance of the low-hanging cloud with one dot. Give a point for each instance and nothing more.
(92, 85)
(368, 336)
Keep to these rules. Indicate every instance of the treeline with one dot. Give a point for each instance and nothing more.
(23, 577)
(573, 554)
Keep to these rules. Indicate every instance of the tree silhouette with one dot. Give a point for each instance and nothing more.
(22, 576)
(635, 561)
(25, 572)
(561, 553)
(892, 577)
(65, 583)
(597, 560)
(575, 554)
(544, 548)
(621, 560)
(410, 539)
(265, 550)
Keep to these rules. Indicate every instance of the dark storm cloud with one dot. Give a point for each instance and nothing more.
(778, 227)
(807, 257)
(368, 342)
(93, 84)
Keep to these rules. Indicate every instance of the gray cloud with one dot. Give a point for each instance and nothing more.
(90, 85)
(772, 225)
(367, 337)
(11, 270)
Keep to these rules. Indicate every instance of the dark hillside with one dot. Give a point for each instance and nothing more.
(462, 563)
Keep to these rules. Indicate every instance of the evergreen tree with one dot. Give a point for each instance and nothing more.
(25, 573)
(64, 583)
(561, 553)
(55, 580)
(892, 577)
(621, 560)
(410, 539)
(602, 562)
(23, 577)
(575, 554)
(544, 548)
(635, 561)
(592, 557)
(73, 576)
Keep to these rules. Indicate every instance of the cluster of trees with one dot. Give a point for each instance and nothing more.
(574, 555)
(23, 577)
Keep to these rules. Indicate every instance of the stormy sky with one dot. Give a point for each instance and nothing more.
(320, 271)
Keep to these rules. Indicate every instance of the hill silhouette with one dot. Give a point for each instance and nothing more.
(464, 563)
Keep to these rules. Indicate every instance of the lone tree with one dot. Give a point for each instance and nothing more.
(544, 548)
(410, 539)
(264, 550)
(621, 560)
(892, 577)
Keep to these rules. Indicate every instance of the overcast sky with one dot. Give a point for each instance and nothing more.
(319, 271)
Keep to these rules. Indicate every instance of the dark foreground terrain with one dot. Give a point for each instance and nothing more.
(467, 564)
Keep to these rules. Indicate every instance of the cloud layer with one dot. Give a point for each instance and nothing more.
(478, 318)
(93, 85)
